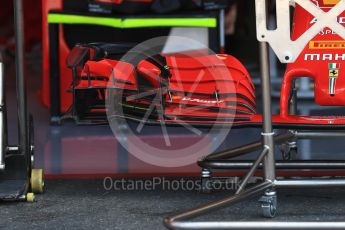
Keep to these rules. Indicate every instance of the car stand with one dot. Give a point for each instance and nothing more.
(268, 188)
(18, 178)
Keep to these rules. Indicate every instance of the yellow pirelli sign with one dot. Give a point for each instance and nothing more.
(330, 2)
(325, 45)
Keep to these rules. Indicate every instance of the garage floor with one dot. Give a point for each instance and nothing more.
(76, 197)
(84, 204)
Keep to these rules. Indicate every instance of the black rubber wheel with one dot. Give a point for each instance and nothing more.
(268, 205)
(288, 153)
(268, 209)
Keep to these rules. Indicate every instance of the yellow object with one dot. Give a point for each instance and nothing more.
(36, 180)
(30, 197)
(55, 18)
(327, 45)
(330, 2)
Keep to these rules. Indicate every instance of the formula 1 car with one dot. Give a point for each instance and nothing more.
(219, 100)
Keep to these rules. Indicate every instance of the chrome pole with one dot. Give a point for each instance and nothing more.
(259, 225)
(21, 84)
(222, 30)
(267, 134)
(318, 135)
(285, 165)
(2, 118)
(309, 183)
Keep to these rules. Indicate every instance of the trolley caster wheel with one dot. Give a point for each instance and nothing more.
(268, 210)
(55, 121)
(293, 153)
(206, 185)
(206, 181)
(268, 206)
(30, 197)
(289, 151)
(36, 180)
(31, 141)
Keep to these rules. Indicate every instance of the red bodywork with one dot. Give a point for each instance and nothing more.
(65, 81)
(325, 49)
(194, 84)
(224, 94)
(203, 87)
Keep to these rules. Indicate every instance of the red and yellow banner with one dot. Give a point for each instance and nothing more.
(327, 45)
(330, 2)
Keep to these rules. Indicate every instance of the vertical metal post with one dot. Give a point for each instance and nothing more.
(222, 30)
(54, 73)
(2, 118)
(269, 162)
(293, 99)
(21, 86)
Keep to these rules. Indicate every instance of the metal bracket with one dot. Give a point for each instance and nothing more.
(280, 38)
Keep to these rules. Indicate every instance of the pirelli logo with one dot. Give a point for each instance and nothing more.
(330, 2)
(326, 45)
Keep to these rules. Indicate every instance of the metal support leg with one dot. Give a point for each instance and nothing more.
(293, 99)
(21, 83)
(289, 148)
(269, 200)
(54, 72)
(222, 30)
(179, 221)
(267, 134)
(245, 149)
(252, 170)
(3, 138)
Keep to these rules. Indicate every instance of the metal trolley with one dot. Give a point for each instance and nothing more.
(18, 178)
(287, 51)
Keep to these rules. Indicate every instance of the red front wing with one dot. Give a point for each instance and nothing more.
(216, 89)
